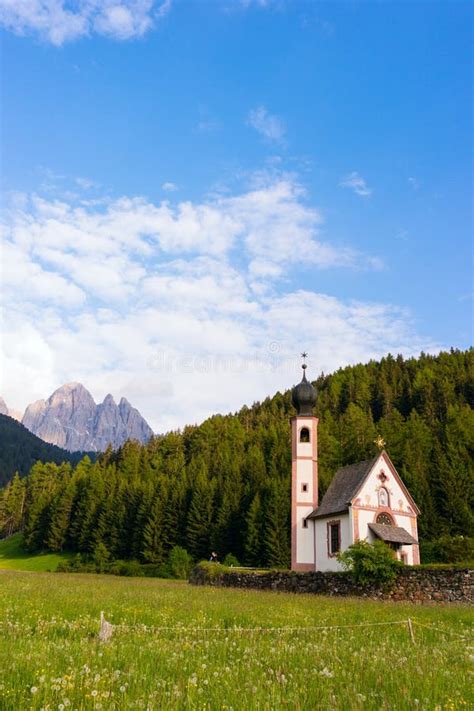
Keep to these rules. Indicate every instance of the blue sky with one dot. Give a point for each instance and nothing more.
(206, 188)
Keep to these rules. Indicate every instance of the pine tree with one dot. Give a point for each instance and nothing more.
(201, 510)
(12, 505)
(276, 525)
(254, 533)
(153, 548)
(59, 518)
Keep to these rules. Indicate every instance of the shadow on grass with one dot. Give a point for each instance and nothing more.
(13, 556)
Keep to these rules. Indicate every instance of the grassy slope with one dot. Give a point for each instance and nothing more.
(49, 623)
(14, 557)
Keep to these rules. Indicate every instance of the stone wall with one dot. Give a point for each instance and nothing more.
(413, 584)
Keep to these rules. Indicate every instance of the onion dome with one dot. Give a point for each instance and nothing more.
(303, 395)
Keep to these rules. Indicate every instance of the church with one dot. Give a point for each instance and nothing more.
(367, 500)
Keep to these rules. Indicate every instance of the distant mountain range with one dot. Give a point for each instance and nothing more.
(20, 449)
(72, 420)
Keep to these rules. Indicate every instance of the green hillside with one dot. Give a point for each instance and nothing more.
(20, 449)
(13, 556)
(225, 484)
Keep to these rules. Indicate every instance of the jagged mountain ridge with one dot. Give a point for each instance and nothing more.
(71, 419)
(5, 410)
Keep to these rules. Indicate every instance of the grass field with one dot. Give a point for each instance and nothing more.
(50, 657)
(14, 557)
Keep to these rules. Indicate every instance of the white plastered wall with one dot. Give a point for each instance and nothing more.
(399, 506)
(304, 475)
(368, 494)
(305, 537)
(304, 506)
(323, 560)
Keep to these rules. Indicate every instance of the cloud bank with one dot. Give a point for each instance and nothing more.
(61, 21)
(185, 308)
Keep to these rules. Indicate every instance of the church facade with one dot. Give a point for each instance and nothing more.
(367, 500)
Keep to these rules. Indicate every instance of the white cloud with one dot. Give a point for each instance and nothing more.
(177, 307)
(61, 21)
(268, 125)
(169, 187)
(208, 126)
(86, 184)
(357, 183)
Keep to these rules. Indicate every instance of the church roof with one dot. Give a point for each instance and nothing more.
(342, 489)
(392, 534)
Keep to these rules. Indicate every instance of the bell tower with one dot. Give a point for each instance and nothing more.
(304, 474)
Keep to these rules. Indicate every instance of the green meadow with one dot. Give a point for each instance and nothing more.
(176, 646)
(14, 557)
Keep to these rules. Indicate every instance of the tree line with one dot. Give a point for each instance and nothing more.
(225, 485)
(20, 449)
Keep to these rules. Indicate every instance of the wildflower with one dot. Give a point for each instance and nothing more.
(94, 692)
(326, 672)
(122, 689)
(34, 689)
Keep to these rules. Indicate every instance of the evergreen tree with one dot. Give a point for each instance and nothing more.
(254, 533)
(276, 525)
(153, 544)
(59, 518)
(201, 510)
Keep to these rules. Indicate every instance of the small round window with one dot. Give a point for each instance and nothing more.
(304, 434)
(384, 519)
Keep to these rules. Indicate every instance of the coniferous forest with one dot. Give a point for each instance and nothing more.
(20, 449)
(225, 485)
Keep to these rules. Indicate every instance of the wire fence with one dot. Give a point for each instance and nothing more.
(107, 629)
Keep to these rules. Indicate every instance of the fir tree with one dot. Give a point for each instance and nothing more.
(253, 533)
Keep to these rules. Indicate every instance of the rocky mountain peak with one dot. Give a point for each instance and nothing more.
(109, 400)
(71, 419)
(4, 408)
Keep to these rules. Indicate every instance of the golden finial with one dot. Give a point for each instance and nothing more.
(379, 442)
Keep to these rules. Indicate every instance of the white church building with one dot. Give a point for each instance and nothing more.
(367, 500)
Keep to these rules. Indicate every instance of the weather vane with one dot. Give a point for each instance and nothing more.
(304, 355)
(379, 442)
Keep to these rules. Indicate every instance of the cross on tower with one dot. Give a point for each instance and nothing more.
(304, 355)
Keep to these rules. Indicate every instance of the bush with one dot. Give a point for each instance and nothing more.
(231, 561)
(179, 563)
(155, 570)
(211, 570)
(129, 568)
(447, 549)
(371, 563)
(101, 557)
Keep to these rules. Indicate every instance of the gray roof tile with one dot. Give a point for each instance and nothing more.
(343, 488)
(392, 534)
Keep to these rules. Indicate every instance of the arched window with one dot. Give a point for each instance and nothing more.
(384, 519)
(383, 496)
(304, 434)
